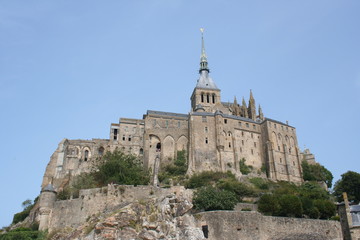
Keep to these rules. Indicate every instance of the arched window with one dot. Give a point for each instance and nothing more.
(86, 155)
(202, 97)
(208, 98)
(101, 151)
(141, 152)
(158, 147)
(213, 98)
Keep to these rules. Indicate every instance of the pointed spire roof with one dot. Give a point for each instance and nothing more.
(205, 81)
(251, 97)
(243, 102)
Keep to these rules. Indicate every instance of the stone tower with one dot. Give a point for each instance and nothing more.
(206, 94)
(47, 200)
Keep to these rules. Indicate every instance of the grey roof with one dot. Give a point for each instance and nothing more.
(48, 188)
(169, 114)
(206, 82)
(224, 115)
(272, 120)
(355, 208)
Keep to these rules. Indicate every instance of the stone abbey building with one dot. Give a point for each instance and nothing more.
(215, 136)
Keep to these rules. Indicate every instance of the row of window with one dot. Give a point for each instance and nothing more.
(282, 127)
(208, 98)
(167, 123)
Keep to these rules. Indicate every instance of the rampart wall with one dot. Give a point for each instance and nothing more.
(72, 213)
(224, 225)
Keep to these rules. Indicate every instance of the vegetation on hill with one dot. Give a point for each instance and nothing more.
(23, 234)
(27, 206)
(175, 171)
(288, 200)
(218, 190)
(349, 183)
(114, 167)
(316, 172)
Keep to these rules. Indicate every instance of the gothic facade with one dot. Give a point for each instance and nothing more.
(215, 136)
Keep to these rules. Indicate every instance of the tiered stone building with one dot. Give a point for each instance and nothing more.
(214, 134)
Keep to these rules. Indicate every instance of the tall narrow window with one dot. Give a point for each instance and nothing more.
(129, 138)
(86, 155)
(242, 142)
(206, 129)
(141, 152)
(252, 151)
(158, 147)
(179, 124)
(206, 140)
(213, 98)
(123, 138)
(205, 230)
(208, 98)
(225, 121)
(115, 133)
(202, 97)
(167, 123)
(229, 144)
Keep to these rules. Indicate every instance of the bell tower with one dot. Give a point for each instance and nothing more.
(206, 94)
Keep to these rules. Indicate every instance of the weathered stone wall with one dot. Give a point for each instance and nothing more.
(74, 212)
(254, 226)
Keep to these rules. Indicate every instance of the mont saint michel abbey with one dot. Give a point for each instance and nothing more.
(215, 136)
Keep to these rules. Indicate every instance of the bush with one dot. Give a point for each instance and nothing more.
(260, 183)
(240, 189)
(269, 205)
(210, 198)
(207, 178)
(245, 169)
(22, 234)
(326, 208)
(27, 206)
(120, 168)
(313, 190)
(290, 206)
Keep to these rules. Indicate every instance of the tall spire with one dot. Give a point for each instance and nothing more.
(203, 57)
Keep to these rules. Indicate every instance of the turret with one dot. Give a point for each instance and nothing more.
(47, 200)
(206, 93)
(252, 107)
(244, 109)
(261, 115)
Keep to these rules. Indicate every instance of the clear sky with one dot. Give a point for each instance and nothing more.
(70, 68)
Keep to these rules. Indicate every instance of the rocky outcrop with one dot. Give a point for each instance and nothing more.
(165, 218)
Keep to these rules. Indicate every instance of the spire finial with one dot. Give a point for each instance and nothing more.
(203, 57)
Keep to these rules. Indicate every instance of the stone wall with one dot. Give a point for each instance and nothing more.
(252, 225)
(72, 213)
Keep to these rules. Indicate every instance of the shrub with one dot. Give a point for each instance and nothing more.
(207, 178)
(120, 168)
(268, 204)
(290, 206)
(210, 198)
(27, 206)
(260, 183)
(232, 185)
(326, 208)
(245, 169)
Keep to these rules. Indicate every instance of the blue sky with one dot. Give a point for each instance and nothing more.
(70, 68)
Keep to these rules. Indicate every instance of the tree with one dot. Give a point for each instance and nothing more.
(316, 172)
(290, 206)
(210, 198)
(269, 204)
(349, 183)
(118, 167)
